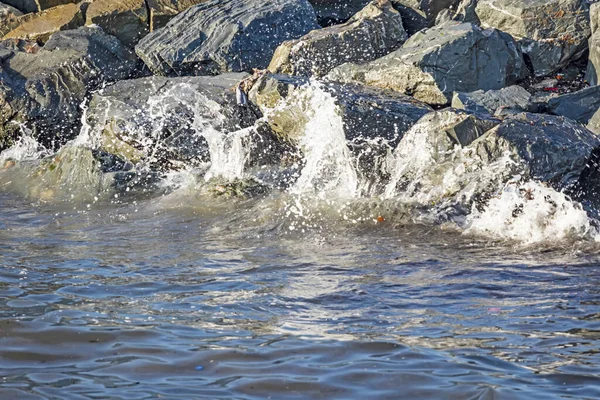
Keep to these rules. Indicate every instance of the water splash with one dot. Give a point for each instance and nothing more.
(328, 163)
(25, 148)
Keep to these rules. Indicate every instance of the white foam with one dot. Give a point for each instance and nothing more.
(531, 212)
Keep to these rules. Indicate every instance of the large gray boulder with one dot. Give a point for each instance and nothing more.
(551, 33)
(225, 36)
(45, 88)
(513, 97)
(366, 113)
(433, 170)
(161, 122)
(371, 33)
(579, 106)
(436, 62)
(331, 12)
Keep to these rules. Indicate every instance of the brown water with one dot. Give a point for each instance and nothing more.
(146, 301)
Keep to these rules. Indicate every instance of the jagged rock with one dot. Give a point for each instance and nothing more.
(34, 6)
(127, 20)
(372, 33)
(579, 106)
(594, 46)
(162, 11)
(551, 33)
(44, 88)
(429, 8)
(545, 148)
(161, 122)
(594, 123)
(40, 26)
(465, 12)
(366, 113)
(514, 97)
(225, 36)
(8, 18)
(438, 61)
(330, 12)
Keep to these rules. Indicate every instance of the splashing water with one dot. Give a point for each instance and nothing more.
(328, 168)
(25, 148)
(531, 212)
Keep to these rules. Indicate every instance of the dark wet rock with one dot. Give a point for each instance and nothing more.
(413, 19)
(40, 26)
(524, 146)
(331, 12)
(32, 6)
(551, 33)
(366, 113)
(514, 97)
(8, 18)
(44, 87)
(436, 62)
(552, 149)
(225, 36)
(429, 8)
(157, 121)
(372, 33)
(579, 106)
(127, 20)
(465, 12)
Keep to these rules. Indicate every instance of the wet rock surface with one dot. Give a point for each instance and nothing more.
(227, 36)
(371, 33)
(44, 87)
(438, 61)
(8, 18)
(551, 33)
(513, 97)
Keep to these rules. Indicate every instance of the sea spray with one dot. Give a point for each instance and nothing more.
(328, 163)
(531, 212)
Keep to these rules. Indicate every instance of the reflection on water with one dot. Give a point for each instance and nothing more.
(147, 300)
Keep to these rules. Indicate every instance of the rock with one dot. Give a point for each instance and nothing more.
(372, 33)
(127, 20)
(429, 8)
(432, 64)
(594, 123)
(34, 6)
(514, 97)
(162, 123)
(225, 36)
(551, 33)
(162, 11)
(44, 88)
(594, 46)
(331, 12)
(544, 148)
(366, 112)
(8, 18)
(465, 12)
(40, 26)
(579, 106)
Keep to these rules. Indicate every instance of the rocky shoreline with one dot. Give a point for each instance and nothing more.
(446, 88)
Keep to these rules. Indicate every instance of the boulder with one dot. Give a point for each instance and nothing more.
(8, 18)
(372, 33)
(513, 97)
(594, 46)
(544, 148)
(40, 26)
(436, 62)
(331, 12)
(34, 6)
(162, 11)
(551, 33)
(225, 36)
(366, 112)
(45, 88)
(594, 123)
(579, 106)
(167, 123)
(127, 20)
(429, 8)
